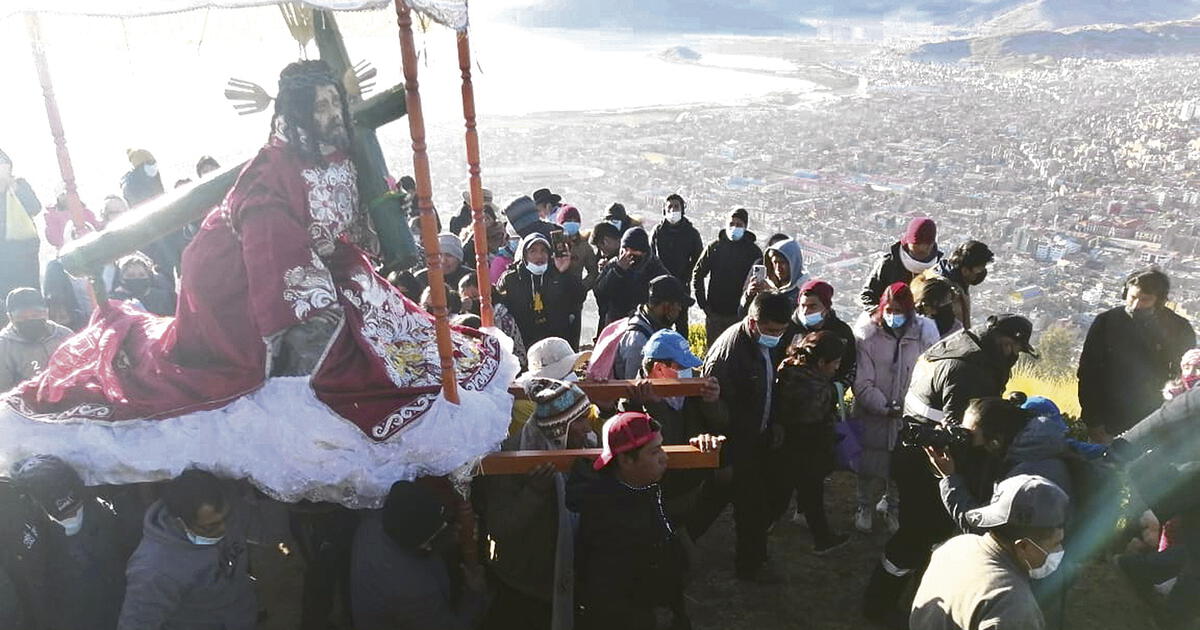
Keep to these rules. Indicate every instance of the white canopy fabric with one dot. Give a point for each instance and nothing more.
(449, 13)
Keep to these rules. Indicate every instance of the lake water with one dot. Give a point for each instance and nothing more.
(157, 83)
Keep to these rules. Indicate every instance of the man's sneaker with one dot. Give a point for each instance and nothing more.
(863, 520)
(835, 541)
(798, 518)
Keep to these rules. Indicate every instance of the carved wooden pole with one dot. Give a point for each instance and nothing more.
(56, 128)
(416, 129)
(481, 244)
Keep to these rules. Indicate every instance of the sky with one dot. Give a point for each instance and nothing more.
(157, 82)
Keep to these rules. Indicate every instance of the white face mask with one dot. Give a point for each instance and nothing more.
(71, 525)
(674, 217)
(537, 270)
(615, 223)
(151, 169)
(1049, 566)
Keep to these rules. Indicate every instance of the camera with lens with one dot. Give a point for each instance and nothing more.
(920, 433)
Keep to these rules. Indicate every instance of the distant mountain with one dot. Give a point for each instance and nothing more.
(1107, 42)
(788, 16)
(1058, 14)
(682, 16)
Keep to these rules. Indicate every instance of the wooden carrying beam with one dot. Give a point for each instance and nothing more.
(521, 462)
(604, 391)
(483, 276)
(429, 233)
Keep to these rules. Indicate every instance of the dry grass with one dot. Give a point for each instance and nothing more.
(1063, 391)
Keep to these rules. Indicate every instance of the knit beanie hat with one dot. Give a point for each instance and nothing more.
(920, 230)
(740, 213)
(567, 212)
(635, 239)
(823, 290)
(899, 295)
(522, 214)
(449, 244)
(558, 403)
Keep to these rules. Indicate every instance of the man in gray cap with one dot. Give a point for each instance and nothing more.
(983, 581)
(29, 339)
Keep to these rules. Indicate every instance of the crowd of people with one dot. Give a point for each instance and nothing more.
(983, 495)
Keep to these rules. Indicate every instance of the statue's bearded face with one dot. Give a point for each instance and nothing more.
(327, 115)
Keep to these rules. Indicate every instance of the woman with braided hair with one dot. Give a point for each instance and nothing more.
(290, 361)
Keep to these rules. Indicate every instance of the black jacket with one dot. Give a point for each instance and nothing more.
(61, 581)
(622, 290)
(747, 384)
(888, 271)
(628, 557)
(561, 300)
(848, 369)
(1125, 364)
(678, 246)
(950, 374)
(726, 264)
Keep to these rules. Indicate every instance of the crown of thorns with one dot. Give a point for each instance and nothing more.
(304, 74)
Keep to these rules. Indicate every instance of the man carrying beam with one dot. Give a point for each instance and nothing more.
(280, 282)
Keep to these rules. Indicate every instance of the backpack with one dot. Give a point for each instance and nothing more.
(604, 356)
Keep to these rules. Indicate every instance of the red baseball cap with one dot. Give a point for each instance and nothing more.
(626, 432)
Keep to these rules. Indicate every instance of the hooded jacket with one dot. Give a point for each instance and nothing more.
(887, 271)
(21, 358)
(1124, 365)
(1039, 449)
(621, 291)
(678, 246)
(629, 558)
(175, 584)
(951, 373)
(542, 305)
(726, 264)
(885, 364)
(790, 250)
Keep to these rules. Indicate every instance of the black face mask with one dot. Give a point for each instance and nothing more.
(32, 329)
(136, 286)
(944, 318)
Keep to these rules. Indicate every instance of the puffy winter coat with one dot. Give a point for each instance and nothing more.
(950, 374)
(725, 264)
(885, 368)
(1125, 364)
(889, 270)
(678, 246)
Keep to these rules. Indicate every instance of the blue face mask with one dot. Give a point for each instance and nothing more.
(571, 228)
(204, 541)
(736, 233)
(895, 321)
(615, 223)
(512, 246)
(813, 319)
(769, 341)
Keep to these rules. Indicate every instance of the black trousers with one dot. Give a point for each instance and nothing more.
(514, 609)
(802, 466)
(747, 483)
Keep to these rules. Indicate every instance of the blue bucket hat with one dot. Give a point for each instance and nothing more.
(668, 345)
